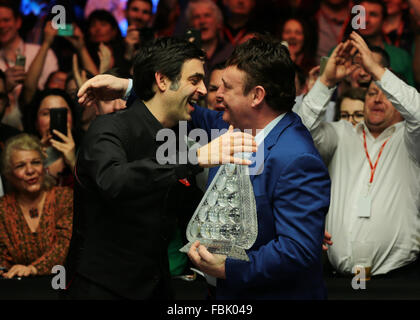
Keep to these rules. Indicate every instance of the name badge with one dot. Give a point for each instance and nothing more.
(364, 204)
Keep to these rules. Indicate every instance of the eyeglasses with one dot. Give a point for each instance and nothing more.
(357, 116)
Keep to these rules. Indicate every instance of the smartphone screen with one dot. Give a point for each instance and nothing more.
(58, 121)
(20, 60)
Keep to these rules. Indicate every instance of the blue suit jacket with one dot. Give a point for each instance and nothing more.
(292, 196)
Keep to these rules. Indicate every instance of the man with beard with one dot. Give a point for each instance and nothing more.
(123, 220)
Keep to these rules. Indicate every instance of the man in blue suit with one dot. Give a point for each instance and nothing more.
(293, 191)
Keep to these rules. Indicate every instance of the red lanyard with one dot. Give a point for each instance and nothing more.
(399, 34)
(234, 40)
(373, 167)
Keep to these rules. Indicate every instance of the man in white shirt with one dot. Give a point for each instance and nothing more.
(374, 166)
(11, 44)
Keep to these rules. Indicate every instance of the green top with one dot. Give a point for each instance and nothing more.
(401, 62)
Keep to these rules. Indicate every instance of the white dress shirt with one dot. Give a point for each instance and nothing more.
(394, 224)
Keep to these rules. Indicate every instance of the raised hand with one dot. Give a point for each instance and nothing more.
(339, 65)
(67, 147)
(105, 58)
(366, 56)
(77, 39)
(14, 76)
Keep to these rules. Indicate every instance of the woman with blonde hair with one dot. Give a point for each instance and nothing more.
(35, 217)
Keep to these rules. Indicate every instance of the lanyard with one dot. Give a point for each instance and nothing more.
(373, 167)
(234, 40)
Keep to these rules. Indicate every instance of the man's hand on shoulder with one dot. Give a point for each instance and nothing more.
(221, 150)
(102, 87)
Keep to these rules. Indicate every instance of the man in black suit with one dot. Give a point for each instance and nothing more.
(121, 226)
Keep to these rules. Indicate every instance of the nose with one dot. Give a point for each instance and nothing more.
(379, 97)
(219, 94)
(29, 169)
(362, 72)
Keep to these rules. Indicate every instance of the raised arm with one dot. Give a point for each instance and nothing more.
(78, 42)
(37, 65)
(314, 104)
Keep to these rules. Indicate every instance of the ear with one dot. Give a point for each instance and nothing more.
(258, 95)
(19, 23)
(161, 81)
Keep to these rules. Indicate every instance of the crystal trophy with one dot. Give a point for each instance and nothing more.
(225, 221)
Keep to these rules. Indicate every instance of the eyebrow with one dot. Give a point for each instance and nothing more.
(225, 84)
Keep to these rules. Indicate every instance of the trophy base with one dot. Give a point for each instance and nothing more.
(220, 247)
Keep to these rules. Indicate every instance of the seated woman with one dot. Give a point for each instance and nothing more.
(35, 218)
(61, 155)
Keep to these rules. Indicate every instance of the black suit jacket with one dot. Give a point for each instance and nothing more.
(122, 224)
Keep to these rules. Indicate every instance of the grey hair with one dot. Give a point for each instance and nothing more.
(213, 6)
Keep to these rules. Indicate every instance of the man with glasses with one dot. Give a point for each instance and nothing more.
(374, 167)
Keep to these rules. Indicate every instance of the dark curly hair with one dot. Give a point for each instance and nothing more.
(164, 55)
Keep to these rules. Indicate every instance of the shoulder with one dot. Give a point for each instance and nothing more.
(395, 51)
(293, 142)
(6, 204)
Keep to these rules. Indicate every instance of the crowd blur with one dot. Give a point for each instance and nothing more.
(42, 67)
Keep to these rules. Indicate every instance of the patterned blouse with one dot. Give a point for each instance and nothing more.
(47, 246)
